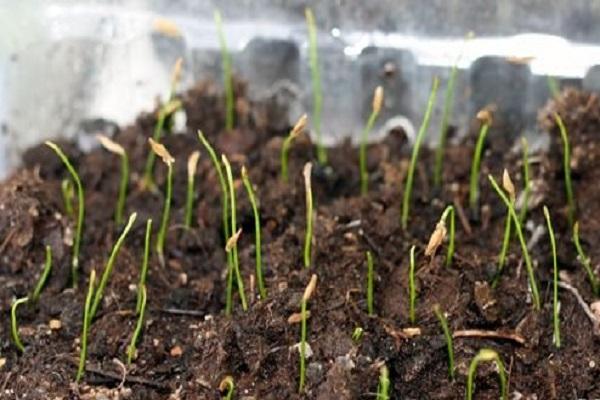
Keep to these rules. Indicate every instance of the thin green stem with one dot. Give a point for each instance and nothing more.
(313, 55)
(585, 261)
(164, 222)
(131, 349)
(357, 334)
(553, 86)
(189, 197)
(122, 189)
(415, 154)
(14, 327)
(370, 308)
(259, 271)
(66, 188)
(227, 384)
(555, 305)
(449, 344)
(449, 213)
(475, 166)
(566, 167)
(482, 356)
(285, 149)
(227, 72)
(412, 291)
(526, 180)
(383, 387)
(146, 257)
(44, 277)
(86, 326)
(302, 346)
(309, 215)
(364, 174)
(504, 249)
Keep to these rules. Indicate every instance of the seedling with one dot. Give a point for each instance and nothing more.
(357, 334)
(364, 174)
(231, 246)
(144, 270)
(526, 179)
(555, 305)
(189, 198)
(86, 326)
(515, 220)
(415, 153)
(227, 72)
(259, 272)
(585, 261)
(310, 288)
(44, 277)
(485, 117)
(309, 214)
(175, 77)
(68, 194)
(383, 388)
(439, 235)
(370, 284)
(227, 385)
(412, 291)
(553, 86)
(566, 167)
(80, 210)
(483, 356)
(164, 154)
(131, 349)
(508, 185)
(287, 143)
(313, 55)
(14, 325)
(117, 149)
(444, 324)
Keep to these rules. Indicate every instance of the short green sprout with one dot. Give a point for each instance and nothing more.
(131, 349)
(526, 180)
(146, 257)
(553, 86)
(164, 154)
(44, 277)
(227, 72)
(370, 284)
(508, 185)
(14, 327)
(566, 167)
(313, 55)
(117, 149)
(259, 271)
(80, 210)
(357, 334)
(412, 291)
(415, 153)
(228, 386)
(485, 117)
(287, 143)
(383, 387)
(189, 197)
(310, 288)
(585, 261)
(444, 324)
(555, 305)
(439, 234)
(364, 174)
(483, 356)
(85, 330)
(68, 194)
(309, 214)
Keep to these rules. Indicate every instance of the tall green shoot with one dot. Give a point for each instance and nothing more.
(364, 174)
(310, 288)
(412, 290)
(383, 387)
(117, 149)
(415, 153)
(313, 55)
(485, 355)
(14, 327)
(44, 277)
(508, 185)
(189, 197)
(131, 349)
(145, 258)
(566, 167)
(439, 235)
(585, 261)
(287, 143)
(227, 72)
(485, 118)
(166, 157)
(309, 214)
(448, 336)
(555, 305)
(370, 279)
(85, 330)
(526, 180)
(68, 194)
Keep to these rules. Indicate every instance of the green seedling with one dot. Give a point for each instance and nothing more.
(526, 181)
(80, 210)
(364, 174)
(146, 257)
(99, 292)
(227, 386)
(259, 271)
(231, 246)
(357, 334)
(68, 194)
(449, 345)
(439, 235)
(175, 77)
(383, 387)
(370, 284)
(14, 327)
(189, 198)
(313, 55)
(483, 356)
(412, 291)
(585, 261)
(566, 167)
(131, 349)
(117, 149)
(555, 305)
(509, 187)
(44, 277)
(310, 288)
(309, 214)
(85, 330)
(515, 220)
(553, 86)
(415, 153)
(227, 72)
(287, 143)
(485, 117)
(166, 157)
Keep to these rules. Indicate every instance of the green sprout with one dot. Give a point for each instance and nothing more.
(370, 284)
(555, 305)
(566, 167)
(14, 327)
(526, 180)
(44, 277)
(99, 292)
(131, 349)
(486, 120)
(553, 86)
(189, 198)
(415, 153)
(259, 271)
(315, 75)
(364, 174)
(80, 210)
(412, 292)
(444, 323)
(309, 215)
(117, 149)
(227, 385)
(585, 261)
(483, 356)
(439, 234)
(287, 143)
(310, 288)
(86, 326)
(164, 154)
(383, 387)
(357, 334)
(515, 219)
(231, 246)
(508, 185)
(227, 72)
(68, 194)
(144, 271)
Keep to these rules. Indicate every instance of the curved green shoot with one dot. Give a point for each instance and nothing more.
(87, 320)
(287, 143)
(357, 334)
(585, 261)
(227, 72)
(364, 174)
(412, 291)
(485, 119)
(228, 386)
(146, 257)
(510, 188)
(309, 215)
(383, 387)
(555, 305)
(449, 213)
(566, 167)
(189, 197)
(313, 55)
(526, 180)
(415, 153)
(80, 210)
(310, 288)
(449, 344)
(117, 149)
(515, 219)
(44, 277)
(68, 193)
(14, 327)
(370, 309)
(131, 349)
(483, 356)
(259, 271)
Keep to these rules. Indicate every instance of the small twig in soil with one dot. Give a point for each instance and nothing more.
(474, 333)
(586, 308)
(179, 311)
(462, 217)
(128, 378)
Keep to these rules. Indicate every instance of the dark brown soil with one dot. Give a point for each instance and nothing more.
(186, 297)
